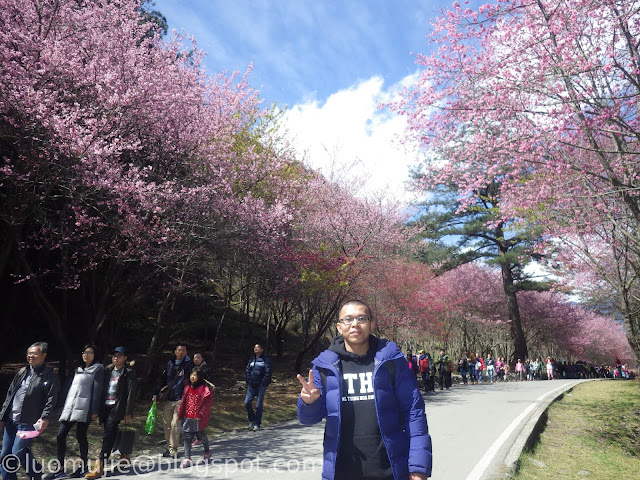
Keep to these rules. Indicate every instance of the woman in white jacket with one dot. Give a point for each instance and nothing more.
(80, 408)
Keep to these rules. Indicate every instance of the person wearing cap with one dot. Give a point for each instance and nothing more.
(118, 401)
(27, 408)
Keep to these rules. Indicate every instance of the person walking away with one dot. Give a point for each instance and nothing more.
(81, 406)
(26, 411)
(169, 393)
(258, 376)
(194, 410)
(376, 426)
(424, 370)
(116, 405)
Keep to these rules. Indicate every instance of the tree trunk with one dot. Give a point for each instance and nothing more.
(157, 331)
(513, 310)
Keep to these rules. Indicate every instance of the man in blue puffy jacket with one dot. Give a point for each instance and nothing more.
(376, 424)
(258, 374)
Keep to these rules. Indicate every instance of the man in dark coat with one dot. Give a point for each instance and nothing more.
(26, 411)
(118, 402)
(258, 375)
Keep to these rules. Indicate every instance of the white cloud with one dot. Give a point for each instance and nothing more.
(349, 139)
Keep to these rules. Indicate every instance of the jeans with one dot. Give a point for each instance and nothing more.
(188, 440)
(479, 375)
(490, 373)
(19, 448)
(253, 392)
(472, 374)
(464, 376)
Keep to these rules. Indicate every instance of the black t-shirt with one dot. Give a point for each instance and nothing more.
(361, 452)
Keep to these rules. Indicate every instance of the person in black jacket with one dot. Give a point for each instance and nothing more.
(118, 402)
(258, 374)
(27, 407)
(169, 392)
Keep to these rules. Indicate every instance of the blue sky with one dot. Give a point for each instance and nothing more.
(331, 62)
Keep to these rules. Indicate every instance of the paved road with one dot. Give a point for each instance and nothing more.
(473, 430)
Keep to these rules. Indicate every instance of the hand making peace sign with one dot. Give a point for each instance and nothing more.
(309, 392)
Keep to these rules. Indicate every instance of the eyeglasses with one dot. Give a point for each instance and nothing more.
(88, 352)
(361, 320)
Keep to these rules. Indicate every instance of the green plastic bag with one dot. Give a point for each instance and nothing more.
(150, 426)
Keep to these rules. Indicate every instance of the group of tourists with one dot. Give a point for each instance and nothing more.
(108, 395)
(362, 385)
(474, 369)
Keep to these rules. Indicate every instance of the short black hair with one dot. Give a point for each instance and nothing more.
(356, 301)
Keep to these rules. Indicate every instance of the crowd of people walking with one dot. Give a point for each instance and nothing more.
(107, 394)
(474, 368)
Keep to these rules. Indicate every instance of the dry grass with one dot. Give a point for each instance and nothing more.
(593, 432)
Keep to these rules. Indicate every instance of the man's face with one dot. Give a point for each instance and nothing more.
(258, 350)
(180, 352)
(35, 356)
(355, 333)
(197, 359)
(118, 359)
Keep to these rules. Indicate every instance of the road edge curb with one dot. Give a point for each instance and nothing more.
(533, 428)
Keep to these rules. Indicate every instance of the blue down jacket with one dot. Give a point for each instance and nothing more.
(408, 443)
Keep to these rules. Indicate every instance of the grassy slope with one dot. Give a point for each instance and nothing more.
(593, 432)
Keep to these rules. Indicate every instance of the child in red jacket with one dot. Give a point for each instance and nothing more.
(195, 409)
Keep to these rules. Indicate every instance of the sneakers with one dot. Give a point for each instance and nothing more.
(250, 427)
(256, 428)
(207, 456)
(55, 475)
(170, 452)
(186, 463)
(195, 442)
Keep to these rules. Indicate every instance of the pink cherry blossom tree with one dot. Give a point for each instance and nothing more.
(542, 94)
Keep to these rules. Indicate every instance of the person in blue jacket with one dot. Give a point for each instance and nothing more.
(376, 425)
(258, 373)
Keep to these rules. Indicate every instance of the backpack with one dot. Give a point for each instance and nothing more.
(424, 364)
